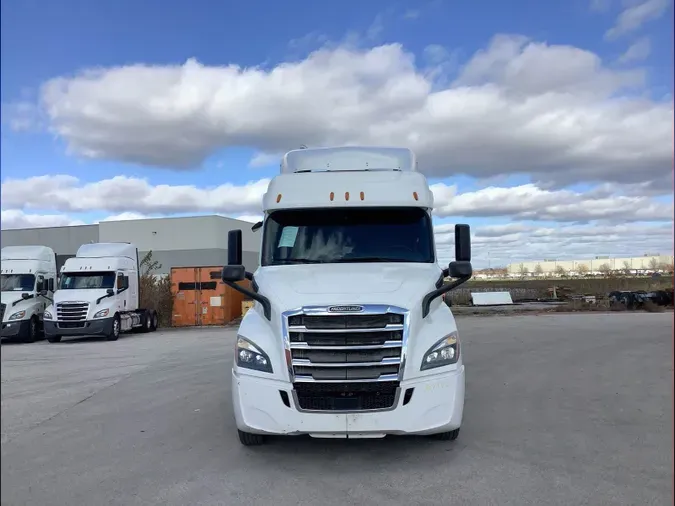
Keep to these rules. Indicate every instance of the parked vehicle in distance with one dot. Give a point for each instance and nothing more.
(348, 336)
(99, 295)
(28, 277)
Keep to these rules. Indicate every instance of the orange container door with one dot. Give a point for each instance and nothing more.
(211, 300)
(186, 301)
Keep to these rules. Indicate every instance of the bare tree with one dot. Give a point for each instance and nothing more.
(627, 270)
(560, 271)
(666, 267)
(583, 269)
(605, 269)
(523, 271)
(654, 264)
(538, 270)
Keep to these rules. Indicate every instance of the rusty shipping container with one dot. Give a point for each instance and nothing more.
(200, 298)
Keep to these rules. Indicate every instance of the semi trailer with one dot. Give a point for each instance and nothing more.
(348, 336)
(99, 295)
(28, 277)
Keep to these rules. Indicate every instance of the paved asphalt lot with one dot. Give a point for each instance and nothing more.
(560, 409)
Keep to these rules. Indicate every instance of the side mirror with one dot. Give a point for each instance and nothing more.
(234, 248)
(462, 243)
(257, 226)
(40, 285)
(234, 270)
(110, 291)
(43, 293)
(460, 269)
(50, 284)
(25, 296)
(234, 273)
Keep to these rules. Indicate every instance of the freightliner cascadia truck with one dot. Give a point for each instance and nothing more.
(348, 336)
(99, 295)
(28, 277)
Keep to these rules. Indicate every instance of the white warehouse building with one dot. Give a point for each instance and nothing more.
(645, 263)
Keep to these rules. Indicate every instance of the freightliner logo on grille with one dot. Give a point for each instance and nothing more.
(345, 309)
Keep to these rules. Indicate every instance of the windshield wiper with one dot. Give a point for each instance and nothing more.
(298, 261)
(357, 260)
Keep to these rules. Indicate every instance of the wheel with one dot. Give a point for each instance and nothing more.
(146, 321)
(32, 331)
(54, 339)
(447, 436)
(115, 330)
(155, 322)
(248, 439)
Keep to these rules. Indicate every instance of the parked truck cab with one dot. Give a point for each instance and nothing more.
(99, 294)
(348, 336)
(28, 277)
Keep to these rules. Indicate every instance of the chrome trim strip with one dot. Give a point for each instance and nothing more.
(305, 362)
(397, 398)
(389, 328)
(382, 378)
(356, 347)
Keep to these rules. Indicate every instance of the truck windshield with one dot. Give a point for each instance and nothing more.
(85, 280)
(18, 282)
(348, 235)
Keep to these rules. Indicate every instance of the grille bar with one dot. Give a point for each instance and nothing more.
(302, 328)
(308, 363)
(385, 345)
(384, 378)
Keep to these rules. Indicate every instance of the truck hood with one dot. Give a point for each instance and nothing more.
(10, 297)
(89, 295)
(400, 284)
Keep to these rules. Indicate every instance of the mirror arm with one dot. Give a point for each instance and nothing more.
(428, 298)
(264, 301)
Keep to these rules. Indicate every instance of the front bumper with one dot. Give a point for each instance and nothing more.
(98, 327)
(436, 406)
(14, 329)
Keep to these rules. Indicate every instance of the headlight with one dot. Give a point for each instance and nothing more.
(47, 315)
(248, 355)
(102, 313)
(18, 315)
(444, 352)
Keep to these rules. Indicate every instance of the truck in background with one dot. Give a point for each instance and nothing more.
(99, 295)
(348, 336)
(28, 277)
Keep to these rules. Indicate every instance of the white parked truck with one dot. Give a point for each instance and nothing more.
(99, 294)
(28, 277)
(348, 336)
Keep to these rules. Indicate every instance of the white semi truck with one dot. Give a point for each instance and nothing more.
(99, 294)
(28, 277)
(348, 336)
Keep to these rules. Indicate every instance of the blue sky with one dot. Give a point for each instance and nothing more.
(45, 40)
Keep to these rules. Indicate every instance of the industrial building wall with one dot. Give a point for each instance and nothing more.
(197, 258)
(63, 240)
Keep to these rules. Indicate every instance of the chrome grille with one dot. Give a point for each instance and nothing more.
(350, 362)
(71, 311)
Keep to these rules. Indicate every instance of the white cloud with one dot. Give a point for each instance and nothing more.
(134, 197)
(125, 216)
(635, 15)
(15, 218)
(637, 51)
(550, 111)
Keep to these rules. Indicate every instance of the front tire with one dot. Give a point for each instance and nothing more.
(155, 321)
(248, 439)
(447, 436)
(31, 336)
(114, 334)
